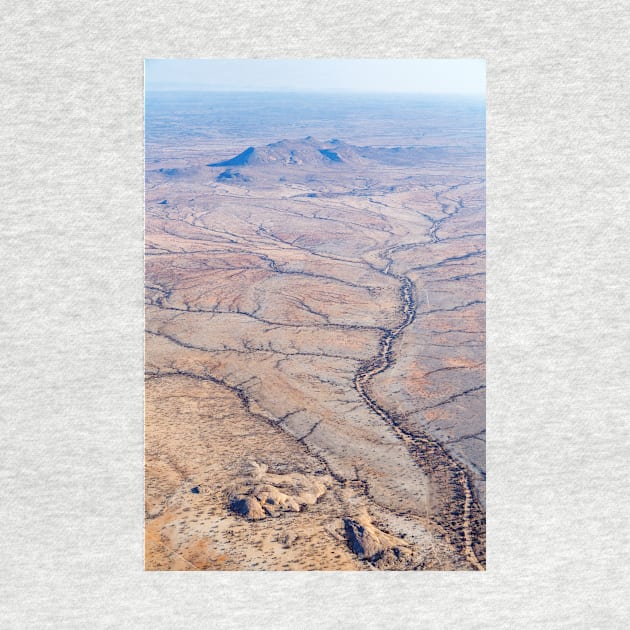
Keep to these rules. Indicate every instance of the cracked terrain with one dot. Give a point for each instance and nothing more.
(315, 333)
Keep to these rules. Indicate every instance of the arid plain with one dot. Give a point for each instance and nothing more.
(315, 315)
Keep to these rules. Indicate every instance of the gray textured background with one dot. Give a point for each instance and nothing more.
(71, 353)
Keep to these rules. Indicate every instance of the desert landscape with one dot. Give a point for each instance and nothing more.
(315, 332)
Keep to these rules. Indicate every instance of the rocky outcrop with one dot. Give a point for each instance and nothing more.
(249, 507)
(232, 176)
(260, 493)
(369, 543)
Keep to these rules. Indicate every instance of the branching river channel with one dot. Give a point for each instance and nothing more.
(461, 519)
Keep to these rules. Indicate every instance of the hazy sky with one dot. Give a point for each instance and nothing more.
(429, 76)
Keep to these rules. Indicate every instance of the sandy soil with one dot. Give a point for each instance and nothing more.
(315, 350)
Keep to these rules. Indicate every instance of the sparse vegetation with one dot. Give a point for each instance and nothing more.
(315, 341)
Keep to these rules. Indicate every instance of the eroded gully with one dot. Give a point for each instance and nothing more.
(460, 517)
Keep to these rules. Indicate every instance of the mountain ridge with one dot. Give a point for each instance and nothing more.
(301, 152)
(335, 153)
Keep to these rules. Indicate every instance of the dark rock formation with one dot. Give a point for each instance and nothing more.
(249, 507)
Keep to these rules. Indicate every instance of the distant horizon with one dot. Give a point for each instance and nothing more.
(408, 77)
(330, 92)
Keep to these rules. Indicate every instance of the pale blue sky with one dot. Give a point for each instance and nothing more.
(428, 76)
